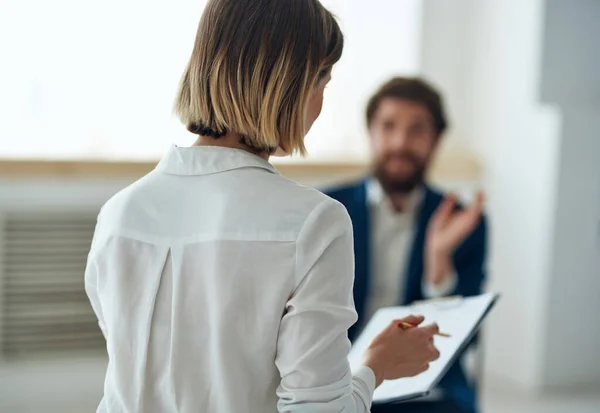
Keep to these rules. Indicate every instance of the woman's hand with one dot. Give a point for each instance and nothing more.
(398, 352)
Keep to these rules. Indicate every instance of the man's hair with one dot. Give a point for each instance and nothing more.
(414, 90)
(252, 69)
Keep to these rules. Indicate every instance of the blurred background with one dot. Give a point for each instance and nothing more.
(86, 90)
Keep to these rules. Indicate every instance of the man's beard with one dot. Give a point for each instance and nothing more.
(400, 185)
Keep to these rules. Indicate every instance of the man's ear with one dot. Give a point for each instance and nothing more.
(434, 151)
(437, 143)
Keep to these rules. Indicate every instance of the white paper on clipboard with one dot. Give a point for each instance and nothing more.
(459, 317)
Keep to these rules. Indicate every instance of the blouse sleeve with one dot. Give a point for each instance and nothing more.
(313, 345)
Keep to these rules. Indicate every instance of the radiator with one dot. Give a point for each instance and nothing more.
(43, 305)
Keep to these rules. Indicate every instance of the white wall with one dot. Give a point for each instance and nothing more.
(492, 50)
(518, 139)
(571, 53)
(442, 59)
(381, 39)
(573, 335)
(46, 106)
(570, 79)
(498, 59)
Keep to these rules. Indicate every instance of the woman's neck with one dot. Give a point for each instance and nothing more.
(231, 140)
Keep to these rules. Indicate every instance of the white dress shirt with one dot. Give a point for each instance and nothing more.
(221, 286)
(392, 239)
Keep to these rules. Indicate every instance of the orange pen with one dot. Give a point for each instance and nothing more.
(408, 325)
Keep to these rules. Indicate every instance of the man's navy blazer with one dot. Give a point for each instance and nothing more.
(468, 260)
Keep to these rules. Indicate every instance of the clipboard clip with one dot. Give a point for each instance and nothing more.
(441, 303)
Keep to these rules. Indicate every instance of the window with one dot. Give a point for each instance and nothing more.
(97, 79)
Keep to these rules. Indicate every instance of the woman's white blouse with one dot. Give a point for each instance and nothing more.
(221, 286)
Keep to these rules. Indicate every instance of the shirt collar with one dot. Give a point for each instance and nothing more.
(205, 160)
(376, 196)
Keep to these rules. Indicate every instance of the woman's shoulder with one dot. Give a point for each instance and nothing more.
(308, 195)
(311, 203)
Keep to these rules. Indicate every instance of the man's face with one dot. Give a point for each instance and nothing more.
(403, 139)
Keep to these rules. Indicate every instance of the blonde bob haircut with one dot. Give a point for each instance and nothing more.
(253, 67)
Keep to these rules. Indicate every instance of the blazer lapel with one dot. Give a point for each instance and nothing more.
(415, 267)
(359, 213)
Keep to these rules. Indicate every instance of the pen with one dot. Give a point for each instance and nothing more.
(408, 325)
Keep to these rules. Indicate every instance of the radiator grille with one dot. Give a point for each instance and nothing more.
(44, 305)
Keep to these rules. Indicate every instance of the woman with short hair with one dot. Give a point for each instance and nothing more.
(221, 286)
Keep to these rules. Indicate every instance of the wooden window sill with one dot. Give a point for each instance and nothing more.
(455, 167)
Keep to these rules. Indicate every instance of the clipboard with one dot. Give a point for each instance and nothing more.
(460, 317)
